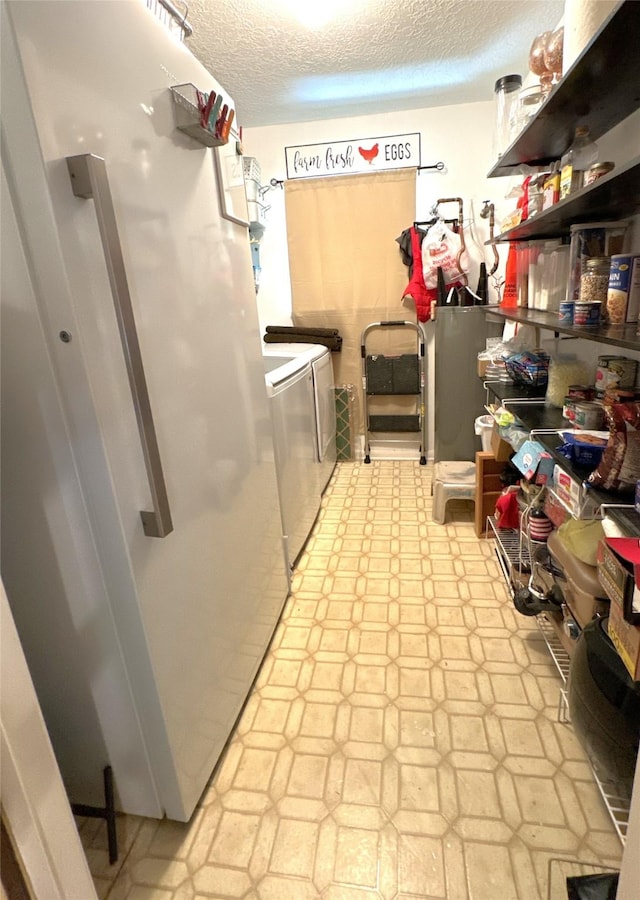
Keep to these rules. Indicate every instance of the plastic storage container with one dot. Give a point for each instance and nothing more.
(530, 100)
(507, 92)
(555, 277)
(483, 428)
(523, 258)
(539, 273)
(536, 265)
(593, 239)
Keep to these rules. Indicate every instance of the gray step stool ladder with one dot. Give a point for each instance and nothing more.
(402, 375)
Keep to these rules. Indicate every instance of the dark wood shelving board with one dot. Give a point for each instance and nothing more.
(507, 391)
(600, 90)
(609, 199)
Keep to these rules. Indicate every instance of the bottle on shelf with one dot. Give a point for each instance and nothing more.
(510, 289)
(551, 186)
(578, 159)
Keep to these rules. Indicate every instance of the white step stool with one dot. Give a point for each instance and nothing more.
(452, 480)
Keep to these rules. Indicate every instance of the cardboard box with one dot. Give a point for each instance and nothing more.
(535, 463)
(626, 639)
(574, 495)
(502, 450)
(554, 510)
(566, 488)
(619, 575)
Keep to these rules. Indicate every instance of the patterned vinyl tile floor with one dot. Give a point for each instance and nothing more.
(402, 738)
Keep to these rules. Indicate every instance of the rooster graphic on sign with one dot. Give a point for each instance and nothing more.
(370, 154)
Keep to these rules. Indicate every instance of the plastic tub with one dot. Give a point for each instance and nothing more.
(483, 428)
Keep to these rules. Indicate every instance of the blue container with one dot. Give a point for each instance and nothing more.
(587, 314)
(565, 312)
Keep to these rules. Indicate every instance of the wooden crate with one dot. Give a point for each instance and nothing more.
(488, 488)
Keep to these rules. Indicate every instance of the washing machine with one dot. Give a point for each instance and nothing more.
(325, 411)
(320, 360)
(289, 383)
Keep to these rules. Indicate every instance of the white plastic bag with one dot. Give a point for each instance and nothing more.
(440, 248)
(565, 370)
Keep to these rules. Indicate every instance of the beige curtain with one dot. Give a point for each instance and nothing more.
(345, 264)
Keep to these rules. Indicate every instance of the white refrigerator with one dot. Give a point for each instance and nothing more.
(141, 540)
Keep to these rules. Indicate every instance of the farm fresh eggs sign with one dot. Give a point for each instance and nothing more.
(397, 151)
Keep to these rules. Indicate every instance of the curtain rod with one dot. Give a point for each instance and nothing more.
(439, 167)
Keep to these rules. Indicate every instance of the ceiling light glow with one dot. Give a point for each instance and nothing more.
(315, 14)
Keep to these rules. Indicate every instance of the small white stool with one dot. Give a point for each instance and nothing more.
(452, 480)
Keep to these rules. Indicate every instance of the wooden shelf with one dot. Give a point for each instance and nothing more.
(488, 488)
(601, 89)
(611, 198)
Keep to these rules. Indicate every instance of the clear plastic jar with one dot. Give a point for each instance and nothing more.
(589, 240)
(507, 91)
(594, 281)
(529, 102)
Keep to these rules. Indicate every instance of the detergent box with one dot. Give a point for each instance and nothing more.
(535, 463)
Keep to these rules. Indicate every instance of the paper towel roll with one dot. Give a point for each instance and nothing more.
(582, 18)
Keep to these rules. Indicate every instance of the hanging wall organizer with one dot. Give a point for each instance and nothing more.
(205, 117)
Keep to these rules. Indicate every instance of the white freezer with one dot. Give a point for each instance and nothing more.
(142, 649)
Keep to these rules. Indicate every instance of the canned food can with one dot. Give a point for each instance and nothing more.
(581, 391)
(623, 293)
(540, 527)
(615, 372)
(597, 171)
(589, 415)
(565, 313)
(587, 313)
(569, 409)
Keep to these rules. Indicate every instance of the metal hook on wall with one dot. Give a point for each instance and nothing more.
(274, 183)
(488, 211)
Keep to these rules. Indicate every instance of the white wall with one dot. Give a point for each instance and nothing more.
(459, 136)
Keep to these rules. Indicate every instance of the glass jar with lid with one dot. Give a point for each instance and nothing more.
(597, 171)
(594, 280)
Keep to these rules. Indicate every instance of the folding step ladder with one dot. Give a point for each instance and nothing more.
(401, 375)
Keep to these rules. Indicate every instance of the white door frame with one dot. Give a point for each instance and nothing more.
(35, 807)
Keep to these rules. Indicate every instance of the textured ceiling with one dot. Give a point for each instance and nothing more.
(374, 56)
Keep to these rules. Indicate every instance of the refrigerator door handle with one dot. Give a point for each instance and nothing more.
(89, 181)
